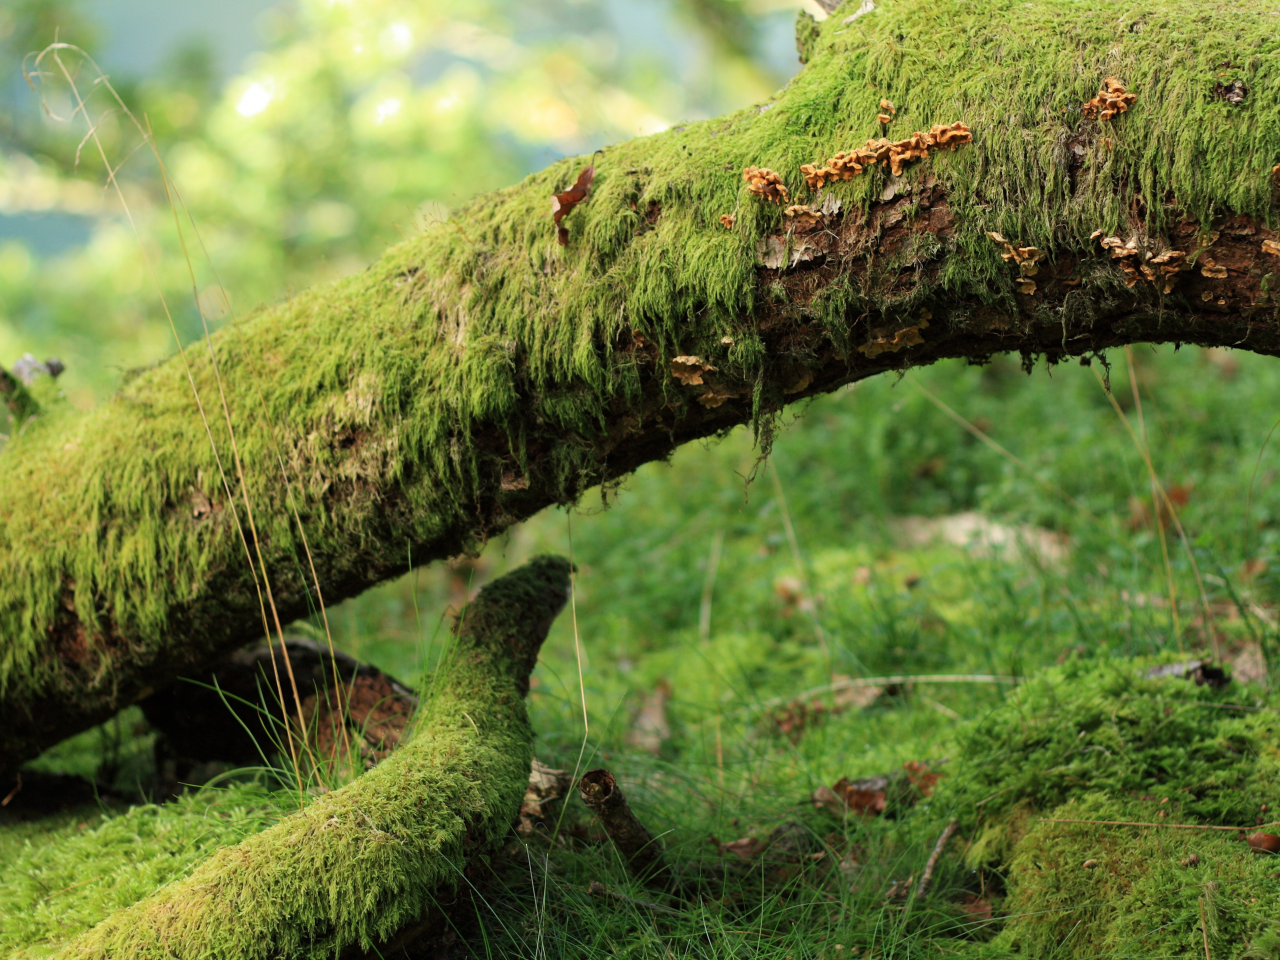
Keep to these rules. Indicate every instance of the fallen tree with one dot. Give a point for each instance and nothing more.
(1120, 186)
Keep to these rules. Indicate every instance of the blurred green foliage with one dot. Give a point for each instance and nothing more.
(361, 122)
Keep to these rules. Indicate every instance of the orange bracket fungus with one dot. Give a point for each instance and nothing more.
(894, 153)
(766, 184)
(1113, 98)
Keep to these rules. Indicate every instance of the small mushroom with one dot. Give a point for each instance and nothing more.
(1090, 864)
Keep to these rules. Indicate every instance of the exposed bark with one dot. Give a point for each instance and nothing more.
(480, 373)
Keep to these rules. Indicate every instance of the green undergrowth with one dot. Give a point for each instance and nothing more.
(1090, 740)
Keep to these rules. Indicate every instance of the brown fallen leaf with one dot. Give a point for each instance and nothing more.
(921, 777)
(747, 848)
(563, 203)
(977, 908)
(1113, 98)
(1233, 93)
(864, 797)
(1263, 842)
(546, 787)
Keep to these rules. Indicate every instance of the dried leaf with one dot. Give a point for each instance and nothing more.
(765, 183)
(747, 848)
(546, 786)
(921, 777)
(1113, 98)
(1263, 842)
(1233, 93)
(563, 203)
(27, 368)
(977, 908)
(863, 797)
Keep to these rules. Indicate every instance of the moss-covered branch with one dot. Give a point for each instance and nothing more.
(481, 371)
(365, 866)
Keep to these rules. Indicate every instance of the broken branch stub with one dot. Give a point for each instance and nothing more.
(642, 851)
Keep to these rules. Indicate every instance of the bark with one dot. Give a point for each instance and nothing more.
(362, 871)
(481, 372)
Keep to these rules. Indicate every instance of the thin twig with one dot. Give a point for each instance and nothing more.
(1170, 826)
(805, 585)
(852, 683)
(1204, 930)
(598, 889)
(709, 585)
(927, 876)
(12, 793)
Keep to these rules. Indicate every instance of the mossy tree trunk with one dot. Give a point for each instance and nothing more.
(362, 872)
(480, 372)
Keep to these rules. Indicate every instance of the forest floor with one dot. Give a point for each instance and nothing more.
(892, 595)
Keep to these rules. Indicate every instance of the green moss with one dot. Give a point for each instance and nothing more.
(1103, 742)
(371, 391)
(354, 866)
(1142, 893)
(60, 881)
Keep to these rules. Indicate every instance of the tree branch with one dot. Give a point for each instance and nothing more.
(480, 371)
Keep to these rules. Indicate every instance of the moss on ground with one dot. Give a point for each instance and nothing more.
(1086, 741)
(1100, 741)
